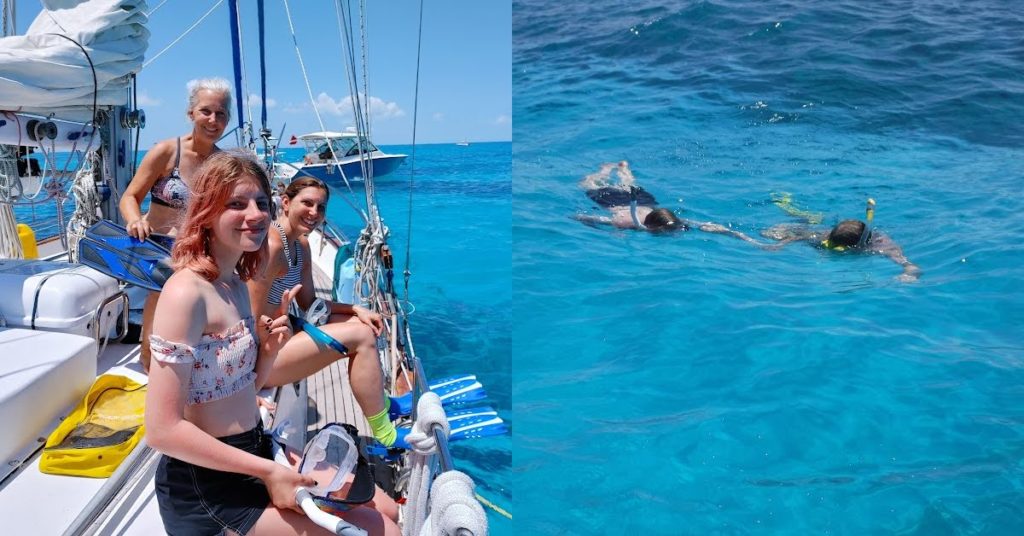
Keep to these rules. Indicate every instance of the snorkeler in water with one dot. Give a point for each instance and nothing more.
(852, 236)
(632, 207)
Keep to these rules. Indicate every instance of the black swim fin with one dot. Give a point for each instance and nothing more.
(108, 248)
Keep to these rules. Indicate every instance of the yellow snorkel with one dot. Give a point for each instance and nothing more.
(869, 214)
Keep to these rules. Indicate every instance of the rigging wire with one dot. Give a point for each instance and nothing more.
(366, 73)
(182, 36)
(309, 91)
(348, 48)
(160, 5)
(412, 163)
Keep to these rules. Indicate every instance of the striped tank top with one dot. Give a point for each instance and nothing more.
(293, 276)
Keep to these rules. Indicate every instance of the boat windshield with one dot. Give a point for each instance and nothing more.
(343, 147)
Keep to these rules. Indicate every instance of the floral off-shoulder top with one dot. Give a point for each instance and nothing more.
(222, 363)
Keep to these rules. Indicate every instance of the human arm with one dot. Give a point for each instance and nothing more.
(709, 227)
(153, 166)
(181, 317)
(259, 285)
(273, 332)
(911, 272)
(593, 220)
(781, 243)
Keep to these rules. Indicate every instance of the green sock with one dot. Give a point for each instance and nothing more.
(383, 429)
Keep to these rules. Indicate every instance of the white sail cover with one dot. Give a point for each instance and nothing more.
(46, 73)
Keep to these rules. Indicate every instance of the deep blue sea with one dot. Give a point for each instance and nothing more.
(694, 384)
(461, 268)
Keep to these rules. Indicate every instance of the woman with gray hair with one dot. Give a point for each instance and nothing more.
(166, 171)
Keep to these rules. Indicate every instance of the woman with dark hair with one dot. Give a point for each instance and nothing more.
(303, 208)
(210, 357)
(632, 207)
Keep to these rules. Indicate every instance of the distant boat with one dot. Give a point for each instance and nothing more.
(463, 143)
(327, 151)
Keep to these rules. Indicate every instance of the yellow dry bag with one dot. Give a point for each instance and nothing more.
(101, 431)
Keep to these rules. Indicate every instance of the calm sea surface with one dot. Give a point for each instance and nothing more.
(694, 384)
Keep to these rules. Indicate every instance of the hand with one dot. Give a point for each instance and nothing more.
(282, 483)
(278, 330)
(264, 403)
(369, 318)
(910, 274)
(139, 228)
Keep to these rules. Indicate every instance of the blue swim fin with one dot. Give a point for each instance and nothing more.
(107, 248)
(470, 423)
(464, 423)
(453, 390)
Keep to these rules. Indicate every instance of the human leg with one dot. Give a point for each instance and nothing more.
(626, 177)
(274, 522)
(302, 356)
(599, 179)
(381, 501)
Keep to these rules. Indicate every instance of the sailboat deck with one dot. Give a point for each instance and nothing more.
(330, 393)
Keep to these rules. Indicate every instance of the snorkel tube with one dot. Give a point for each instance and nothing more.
(865, 235)
(632, 207)
(869, 214)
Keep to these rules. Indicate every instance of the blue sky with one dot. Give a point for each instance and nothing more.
(465, 89)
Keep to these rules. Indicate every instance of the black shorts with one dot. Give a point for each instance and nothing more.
(198, 501)
(610, 196)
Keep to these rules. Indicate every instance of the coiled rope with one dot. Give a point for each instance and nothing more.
(10, 244)
(87, 204)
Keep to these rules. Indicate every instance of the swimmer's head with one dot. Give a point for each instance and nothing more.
(846, 234)
(662, 220)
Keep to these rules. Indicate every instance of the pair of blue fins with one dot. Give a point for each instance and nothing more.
(108, 248)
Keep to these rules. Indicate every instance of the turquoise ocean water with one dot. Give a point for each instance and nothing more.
(693, 384)
(461, 268)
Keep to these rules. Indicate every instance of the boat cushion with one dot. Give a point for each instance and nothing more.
(42, 375)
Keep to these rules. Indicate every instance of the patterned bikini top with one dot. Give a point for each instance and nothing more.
(222, 363)
(171, 191)
(294, 274)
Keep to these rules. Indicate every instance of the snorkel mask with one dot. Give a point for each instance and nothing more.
(865, 235)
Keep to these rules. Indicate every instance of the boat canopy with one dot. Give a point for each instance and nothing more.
(43, 72)
(327, 134)
(343, 146)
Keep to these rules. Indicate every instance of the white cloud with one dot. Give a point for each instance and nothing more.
(292, 108)
(146, 100)
(439, 117)
(255, 100)
(503, 120)
(379, 109)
